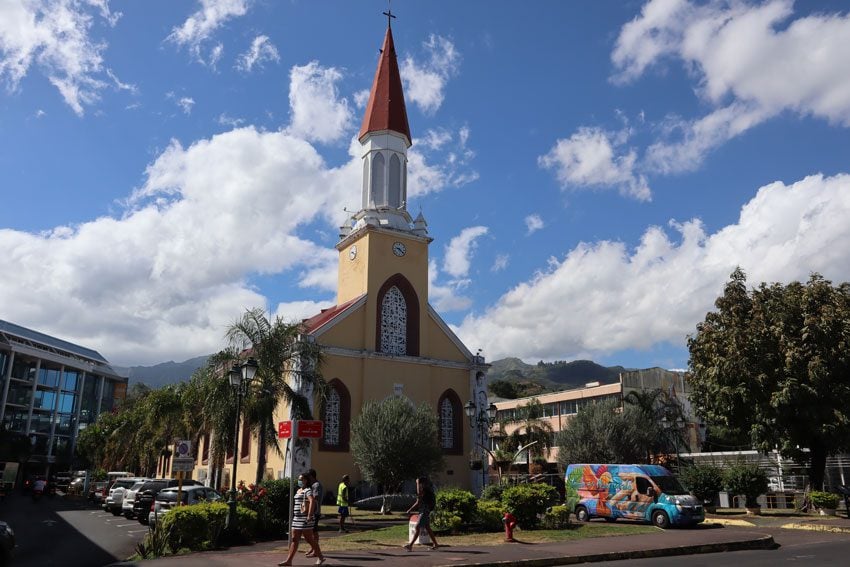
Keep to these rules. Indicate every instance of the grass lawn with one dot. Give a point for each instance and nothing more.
(396, 536)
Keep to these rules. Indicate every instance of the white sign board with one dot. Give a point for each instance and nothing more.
(183, 449)
(182, 464)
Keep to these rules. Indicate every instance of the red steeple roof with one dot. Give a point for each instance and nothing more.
(386, 110)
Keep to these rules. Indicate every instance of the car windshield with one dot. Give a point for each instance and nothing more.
(137, 486)
(123, 484)
(669, 485)
(153, 486)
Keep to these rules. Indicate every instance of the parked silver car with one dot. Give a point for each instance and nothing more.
(115, 498)
(130, 498)
(166, 500)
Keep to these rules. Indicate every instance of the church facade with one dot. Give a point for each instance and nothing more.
(383, 338)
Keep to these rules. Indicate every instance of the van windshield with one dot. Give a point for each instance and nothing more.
(669, 485)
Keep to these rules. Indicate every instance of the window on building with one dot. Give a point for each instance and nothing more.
(378, 166)
(450, 412)
(398, 318)
(205, 454)
(365, 183)
(394, 183)
(245, 444)
(336, 413)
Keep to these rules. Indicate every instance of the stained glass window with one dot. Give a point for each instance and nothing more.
(394, 322)
(332, 407)
(447, 434)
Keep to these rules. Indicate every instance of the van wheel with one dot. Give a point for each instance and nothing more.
(660, 519)
(582, 515)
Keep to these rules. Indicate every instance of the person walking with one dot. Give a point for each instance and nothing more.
(426, 501)
(342, 502)
(318, 493)
(303, 515)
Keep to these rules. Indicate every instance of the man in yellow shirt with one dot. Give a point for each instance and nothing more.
(342, 502)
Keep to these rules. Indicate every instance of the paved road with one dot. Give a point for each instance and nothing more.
(796, 547)
(59, 533)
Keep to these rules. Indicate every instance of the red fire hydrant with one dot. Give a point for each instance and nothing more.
(510, 523)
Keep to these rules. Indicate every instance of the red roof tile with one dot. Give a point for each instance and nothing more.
(315, 322)
(386, 110)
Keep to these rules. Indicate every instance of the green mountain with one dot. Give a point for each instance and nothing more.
(163, 373)
(543, 377)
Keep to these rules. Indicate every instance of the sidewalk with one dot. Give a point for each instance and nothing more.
(663, 543)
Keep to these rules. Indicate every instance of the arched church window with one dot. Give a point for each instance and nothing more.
(394, 183)
(365, 191)
(394, 322)
(378, 166)
(451, 433)
(397, 330)
(336, 413)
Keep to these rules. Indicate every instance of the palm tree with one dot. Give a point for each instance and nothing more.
(280, 353)
(663, 414)
(532, 430)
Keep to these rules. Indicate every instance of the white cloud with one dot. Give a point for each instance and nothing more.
(533, 223)
(202, 24)
(226, 120)
(500, 263)
(55, 36)
(262, 50)
(318, 112)
(447, 297)
(361, 98)
(186, 103)
(751, 61)
(435, 139)
(460, 249)
(449, 163)
(589, 158)
(295, 311)
(426, 81)
(602, 297)
(133, 89)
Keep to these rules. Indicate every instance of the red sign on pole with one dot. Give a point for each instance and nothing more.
(310, 429)
(284, 429)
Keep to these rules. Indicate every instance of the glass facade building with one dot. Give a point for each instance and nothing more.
(51, 389)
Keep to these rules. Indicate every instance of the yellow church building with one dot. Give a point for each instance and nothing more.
(383, 338)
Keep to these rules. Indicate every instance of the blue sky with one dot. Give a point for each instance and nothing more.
(591, 171)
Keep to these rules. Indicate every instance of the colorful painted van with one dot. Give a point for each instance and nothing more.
(636, 492)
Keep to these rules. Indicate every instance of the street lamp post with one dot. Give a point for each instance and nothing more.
(481, 421)
(240, 377)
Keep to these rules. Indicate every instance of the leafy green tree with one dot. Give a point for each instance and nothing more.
(603, 433)
(774, 362)
(393, 441)
(504, 389)
(530, 428)
(276, 347)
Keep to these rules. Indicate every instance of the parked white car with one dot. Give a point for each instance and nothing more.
(166, 500)
(130, 498)
(115, 498)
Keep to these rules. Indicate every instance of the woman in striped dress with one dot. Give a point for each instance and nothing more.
(303, 514)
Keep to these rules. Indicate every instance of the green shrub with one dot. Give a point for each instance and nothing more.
(528, 501)
(492, 492)
(704, 481)
(195, 527)
(489, 514)
(270, 500)
(457, 502)
(556, 518)
(445, 522)
(825, 499)
(748, 480)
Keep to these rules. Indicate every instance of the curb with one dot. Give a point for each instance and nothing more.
(817, 528)
(765, 542)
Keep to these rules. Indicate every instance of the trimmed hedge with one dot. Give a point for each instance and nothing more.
(489, 514)
(457, 502)
(748, 480)
(529, 501)
(200, 526)
(556, 518)
(704, 481)
(825, 499)
(492, 492)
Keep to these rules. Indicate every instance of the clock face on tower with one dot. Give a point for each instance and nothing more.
(352, 252)
(399, 249)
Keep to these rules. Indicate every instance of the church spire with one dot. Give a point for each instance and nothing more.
(386, 110)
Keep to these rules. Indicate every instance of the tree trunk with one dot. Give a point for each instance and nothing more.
(261, 453)
(818, 466)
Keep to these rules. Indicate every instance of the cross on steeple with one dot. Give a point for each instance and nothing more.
(390, 16)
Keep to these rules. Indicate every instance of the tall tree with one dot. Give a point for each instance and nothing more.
(530, 427)
(276, 347)
(774, 362)
(605, 433)
(393, 441)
